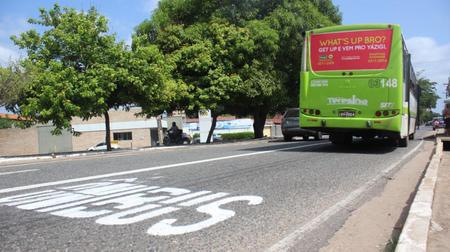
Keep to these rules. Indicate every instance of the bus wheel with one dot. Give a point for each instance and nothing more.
(411, 137)
(403, 142)
(287, 138)
(318, 136)
(341, 139)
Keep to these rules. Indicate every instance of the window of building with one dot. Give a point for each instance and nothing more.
(122, 136)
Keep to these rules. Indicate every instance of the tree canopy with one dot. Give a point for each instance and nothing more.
(428, 98)
(259, 70)
(14, 78)
(82, 71)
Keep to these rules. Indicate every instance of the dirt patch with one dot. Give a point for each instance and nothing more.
(376, 225)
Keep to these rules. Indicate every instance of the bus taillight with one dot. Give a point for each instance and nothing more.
(378, 113)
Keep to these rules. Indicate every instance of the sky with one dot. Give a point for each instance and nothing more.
(425, 26)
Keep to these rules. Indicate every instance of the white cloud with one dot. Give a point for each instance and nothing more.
(434, 60)
(150, 5)
(429, 56)
(7, 55)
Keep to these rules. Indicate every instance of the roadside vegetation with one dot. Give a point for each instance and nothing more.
(236, 57)
(428, 98)
(237, 136)
(6, 123)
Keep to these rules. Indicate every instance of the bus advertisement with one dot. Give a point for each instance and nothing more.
(357, 80)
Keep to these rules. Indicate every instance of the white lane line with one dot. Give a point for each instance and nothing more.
(161, 167)
(290, 240)
(14, 172)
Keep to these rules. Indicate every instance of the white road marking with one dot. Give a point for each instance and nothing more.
(203, 199)
(120, 218)
(290, 240)
(185, 197)
(96, 199)
(14, 172)
(217, 214)
(137, 204)
(161, 167)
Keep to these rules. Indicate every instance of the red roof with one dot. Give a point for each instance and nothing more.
(220, 118)
(12, 117)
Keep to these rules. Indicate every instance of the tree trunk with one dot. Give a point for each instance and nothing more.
(108, 132)
(259, 120)
(213, 127)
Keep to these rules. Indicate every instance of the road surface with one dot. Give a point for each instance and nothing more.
(247, 196)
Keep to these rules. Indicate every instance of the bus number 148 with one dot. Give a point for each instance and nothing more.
(383, 83)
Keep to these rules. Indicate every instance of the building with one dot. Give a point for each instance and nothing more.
(127, 130)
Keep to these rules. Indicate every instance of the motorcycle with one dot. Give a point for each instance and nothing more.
(175, 139)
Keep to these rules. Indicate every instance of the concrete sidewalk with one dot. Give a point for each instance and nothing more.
(427, 227)
(439, 232)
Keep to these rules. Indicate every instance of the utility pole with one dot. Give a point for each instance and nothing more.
(447, 94)
(160, 128)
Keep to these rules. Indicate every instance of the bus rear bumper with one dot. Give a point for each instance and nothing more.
(356, 126)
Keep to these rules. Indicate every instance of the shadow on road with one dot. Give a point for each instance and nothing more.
(375, 146)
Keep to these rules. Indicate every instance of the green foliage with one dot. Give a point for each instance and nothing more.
(82, 71)
(237, 136)
(13, 81)
(428, 98)
(235, 56)
(6, 123)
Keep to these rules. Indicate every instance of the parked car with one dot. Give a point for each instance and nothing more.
(102, 146)
(290, 126)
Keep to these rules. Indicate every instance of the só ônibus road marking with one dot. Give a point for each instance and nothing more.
(125, 173)
(124, 202)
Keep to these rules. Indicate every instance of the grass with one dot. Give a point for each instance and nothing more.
(237, 136)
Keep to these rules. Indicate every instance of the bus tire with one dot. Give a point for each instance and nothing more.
(287, 138)
(318, 136)
(411, 137)
(403, 142)
(341, 139)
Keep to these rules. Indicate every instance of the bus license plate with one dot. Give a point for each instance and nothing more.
(347, 113)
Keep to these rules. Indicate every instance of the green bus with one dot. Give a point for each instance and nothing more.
(357, 80)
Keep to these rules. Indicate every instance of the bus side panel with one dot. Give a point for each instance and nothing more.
(413, 113)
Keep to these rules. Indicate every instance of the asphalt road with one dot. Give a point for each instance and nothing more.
(248, 196)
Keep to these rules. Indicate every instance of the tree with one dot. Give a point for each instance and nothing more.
(271, 69)
(205, 58)
(13, 80)
(428, 98)
(84, 72)
(6, 123)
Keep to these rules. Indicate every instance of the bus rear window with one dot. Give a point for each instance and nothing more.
(353, 50)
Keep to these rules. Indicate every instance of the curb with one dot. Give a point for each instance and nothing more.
(414, 234)
(13, 160)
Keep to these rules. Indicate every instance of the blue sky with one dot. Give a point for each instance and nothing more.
(425, 25)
